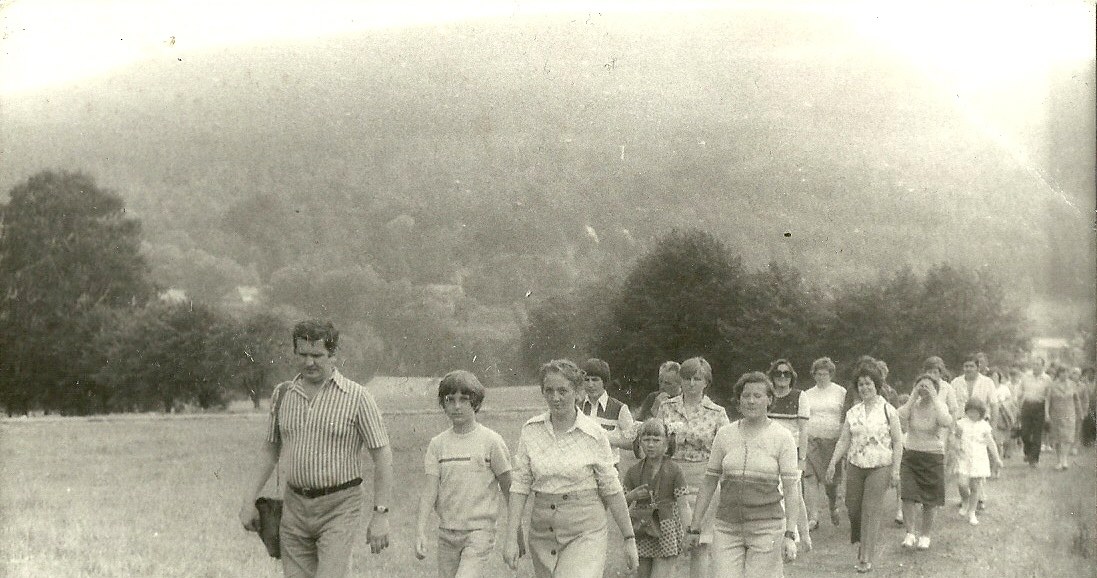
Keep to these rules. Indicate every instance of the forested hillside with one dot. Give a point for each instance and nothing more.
(430, 185)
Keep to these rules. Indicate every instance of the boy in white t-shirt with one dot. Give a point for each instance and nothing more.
(468, 469)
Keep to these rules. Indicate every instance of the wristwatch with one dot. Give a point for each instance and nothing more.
(381, 509)
(790, 534)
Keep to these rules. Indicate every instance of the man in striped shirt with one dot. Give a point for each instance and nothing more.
(320, 421)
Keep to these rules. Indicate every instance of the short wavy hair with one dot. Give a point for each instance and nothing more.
(563, 367)
(823, 363)
(316, 330)
(753, 377)
(670, 367)
(871, 371)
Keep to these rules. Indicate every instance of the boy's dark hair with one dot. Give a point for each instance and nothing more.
(596, 367)
(977, 405)
(461, 382)
(316, 330)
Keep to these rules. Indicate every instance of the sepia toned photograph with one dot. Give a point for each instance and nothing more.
(548, 289)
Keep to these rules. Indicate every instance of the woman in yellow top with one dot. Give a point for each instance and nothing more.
(564, 459)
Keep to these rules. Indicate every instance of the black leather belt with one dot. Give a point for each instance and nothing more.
(316, 493)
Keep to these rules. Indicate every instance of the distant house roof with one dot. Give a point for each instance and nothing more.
(1049, 343)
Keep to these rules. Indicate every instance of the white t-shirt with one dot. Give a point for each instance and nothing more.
(467, 465)
(826, 411)
(983, 390)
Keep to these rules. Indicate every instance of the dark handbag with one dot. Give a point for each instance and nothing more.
(645, 519)
(645, 515)
(270, 510)
(270, 518)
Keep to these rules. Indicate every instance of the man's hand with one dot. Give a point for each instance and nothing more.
(421, 547)
(378, 532)
(249, 517)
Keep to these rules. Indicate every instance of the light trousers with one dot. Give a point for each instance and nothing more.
(318, 534)
(751, 549)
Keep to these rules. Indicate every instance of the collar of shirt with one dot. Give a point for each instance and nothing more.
(603, 400)
(582, 422)
(705, 403)
(336, 378)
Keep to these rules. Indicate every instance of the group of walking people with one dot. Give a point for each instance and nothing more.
(737, 498)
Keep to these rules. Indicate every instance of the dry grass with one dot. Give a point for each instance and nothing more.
(158, 496)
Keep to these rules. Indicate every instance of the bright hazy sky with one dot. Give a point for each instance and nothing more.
(47, 43)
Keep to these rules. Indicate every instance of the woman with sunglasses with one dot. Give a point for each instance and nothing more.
(791, 409)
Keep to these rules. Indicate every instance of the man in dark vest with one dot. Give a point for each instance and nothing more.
(610, 413)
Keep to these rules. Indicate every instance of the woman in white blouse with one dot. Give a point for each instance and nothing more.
(564, 459)
(873, 439)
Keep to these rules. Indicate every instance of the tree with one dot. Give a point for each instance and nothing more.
(66, 248)
(263, 338)
(683, 298)
(171, 353)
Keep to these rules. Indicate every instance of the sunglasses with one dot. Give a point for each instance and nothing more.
(783, 373)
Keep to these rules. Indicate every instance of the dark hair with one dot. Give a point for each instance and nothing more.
(972, 357)
(934, 362)
(872, 372)
(563, 367)
(753, 377)
(316, 330)
(773, 369)
(657, 425)
(461, 381)
(976, 404)
(596, 367)
(933, 380)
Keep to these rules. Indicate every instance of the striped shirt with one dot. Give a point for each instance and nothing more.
(752, 468)
(578, 459)
(322, 439)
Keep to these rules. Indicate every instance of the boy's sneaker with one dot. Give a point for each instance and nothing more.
(973, 520)
(909, 541)
(923, 543)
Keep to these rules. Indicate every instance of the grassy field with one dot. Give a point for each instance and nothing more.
(158, 496)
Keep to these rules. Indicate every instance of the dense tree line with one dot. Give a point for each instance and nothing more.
(85, 326)
(81, 329)
(691, 295)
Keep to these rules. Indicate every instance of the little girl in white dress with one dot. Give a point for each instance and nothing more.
(976, 443)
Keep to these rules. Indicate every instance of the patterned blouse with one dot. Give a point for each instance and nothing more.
(578, 459)
(693, 428)
(870, 435)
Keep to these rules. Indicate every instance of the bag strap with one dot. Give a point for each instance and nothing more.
(276, 399)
